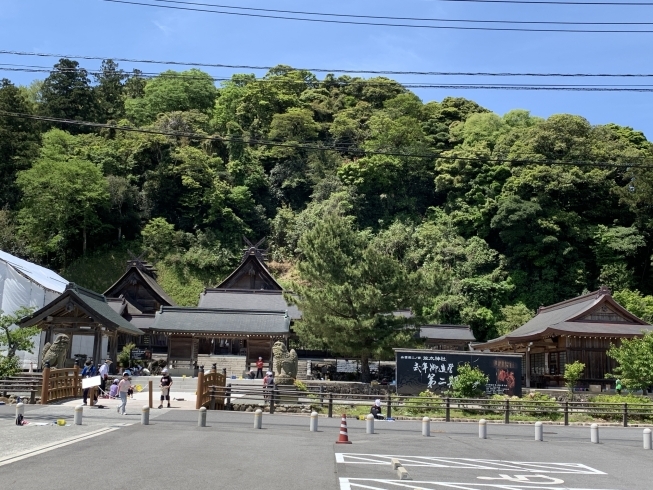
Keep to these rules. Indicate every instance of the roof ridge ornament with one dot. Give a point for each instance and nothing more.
(254, 249)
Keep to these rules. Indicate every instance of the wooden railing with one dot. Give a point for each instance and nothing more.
(204, 384)
(59, 384)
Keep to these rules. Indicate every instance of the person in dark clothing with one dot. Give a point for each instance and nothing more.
(165, 384)
(259, 368)
(376, 410)
(88, 372)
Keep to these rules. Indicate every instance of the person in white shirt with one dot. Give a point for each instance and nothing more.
(104, 374)
(123, 388)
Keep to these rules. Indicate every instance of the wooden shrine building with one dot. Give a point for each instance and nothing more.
(137, 296)
(244, 315)
(580, 329)
(87, 318)
(447, 337)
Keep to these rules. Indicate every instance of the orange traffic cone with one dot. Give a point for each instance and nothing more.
(343, 438)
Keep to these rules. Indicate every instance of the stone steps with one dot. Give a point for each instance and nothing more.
(235, 365)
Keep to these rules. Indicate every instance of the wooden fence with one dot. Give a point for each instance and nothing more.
(204, 384)
(59, 384)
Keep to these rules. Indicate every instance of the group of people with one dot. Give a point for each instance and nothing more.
(122, 387)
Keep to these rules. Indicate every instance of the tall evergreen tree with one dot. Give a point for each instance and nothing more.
(19, 141)
(67, 93)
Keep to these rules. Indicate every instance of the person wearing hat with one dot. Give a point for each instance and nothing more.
(123, 388)
(104, 374)
(376, 410)
(259, 367)
(268, 384)
(165, 384)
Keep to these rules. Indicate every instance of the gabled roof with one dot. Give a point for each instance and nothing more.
(44, 277)
(574, 316)
(247, 299)
(250, 274)
(136, 273)
(213, 320)
(93, 304)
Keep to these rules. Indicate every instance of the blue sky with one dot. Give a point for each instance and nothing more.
(97, 28)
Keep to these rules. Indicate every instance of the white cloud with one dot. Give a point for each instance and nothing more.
(165, 29)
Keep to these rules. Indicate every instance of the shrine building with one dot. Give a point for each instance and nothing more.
(580, 329)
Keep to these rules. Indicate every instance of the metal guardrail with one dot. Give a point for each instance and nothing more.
(419, 406)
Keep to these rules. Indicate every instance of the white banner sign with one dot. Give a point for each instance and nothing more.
(90, 382)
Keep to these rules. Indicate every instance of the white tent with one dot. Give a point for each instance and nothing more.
(25, 284)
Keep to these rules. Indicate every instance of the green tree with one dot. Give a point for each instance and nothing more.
(513, 317)
(67, 94)
(635, 302)
(13, 338)
(469, 382)
(635, 358)
(62, 196)
(172, 91)
(19, 141)
(573, 373)
(348, 290)
(109, 91)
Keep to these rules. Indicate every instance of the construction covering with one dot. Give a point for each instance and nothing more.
(23, 283)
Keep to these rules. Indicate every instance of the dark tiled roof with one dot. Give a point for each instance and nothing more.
(162, 297)
(562, 318)
(144, 322)
(207, 320)
(447, 332)
(250, 260)
(95, 305)
(247, 299)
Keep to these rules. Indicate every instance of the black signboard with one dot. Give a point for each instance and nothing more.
(421, 370)
(140, 354)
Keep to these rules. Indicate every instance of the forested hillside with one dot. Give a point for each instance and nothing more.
(499, 214)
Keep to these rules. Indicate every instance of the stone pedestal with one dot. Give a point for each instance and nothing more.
(286, 398)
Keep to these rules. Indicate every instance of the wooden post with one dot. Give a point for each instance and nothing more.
(149, 388)
(45, 387)
(91, 394)
(76, 383)
(200, 389)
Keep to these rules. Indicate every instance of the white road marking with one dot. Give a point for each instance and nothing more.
(526, 479)
(56, 445)
(468, 463)
(379, 484)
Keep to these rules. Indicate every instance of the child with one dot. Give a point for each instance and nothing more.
(165, 384)
(123, 388)
(113, 390)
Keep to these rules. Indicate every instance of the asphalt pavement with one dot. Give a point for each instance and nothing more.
(173, 452)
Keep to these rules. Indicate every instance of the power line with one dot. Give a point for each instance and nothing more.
(419, 19)
(461, 86)
(313, 146)
(321, 70)
(384, 24)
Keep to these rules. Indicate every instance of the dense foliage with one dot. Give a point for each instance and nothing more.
(464, 198)
(635, 358)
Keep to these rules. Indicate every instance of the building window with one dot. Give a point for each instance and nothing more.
(537, 363)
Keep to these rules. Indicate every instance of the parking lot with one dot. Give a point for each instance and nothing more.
(230, 454)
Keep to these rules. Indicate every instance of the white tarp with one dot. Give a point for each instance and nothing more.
(25, 284)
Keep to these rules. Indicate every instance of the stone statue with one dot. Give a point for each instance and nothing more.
(285, 364)
(55, 353)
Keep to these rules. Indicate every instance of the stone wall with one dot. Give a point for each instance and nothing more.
(350, 387)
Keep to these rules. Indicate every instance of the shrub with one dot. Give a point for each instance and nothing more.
(124, 357)
(9, 365)
(539, 405)
(468, 383)
(616, 412)
(426, 403)
(300, 385)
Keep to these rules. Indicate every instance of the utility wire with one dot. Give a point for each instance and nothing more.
(470, 86)
(419, 19)
(322, 70)
(313, 146)
(384, 24)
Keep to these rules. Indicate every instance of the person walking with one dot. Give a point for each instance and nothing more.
(259, 368)
(123, 388)
(166, 385)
